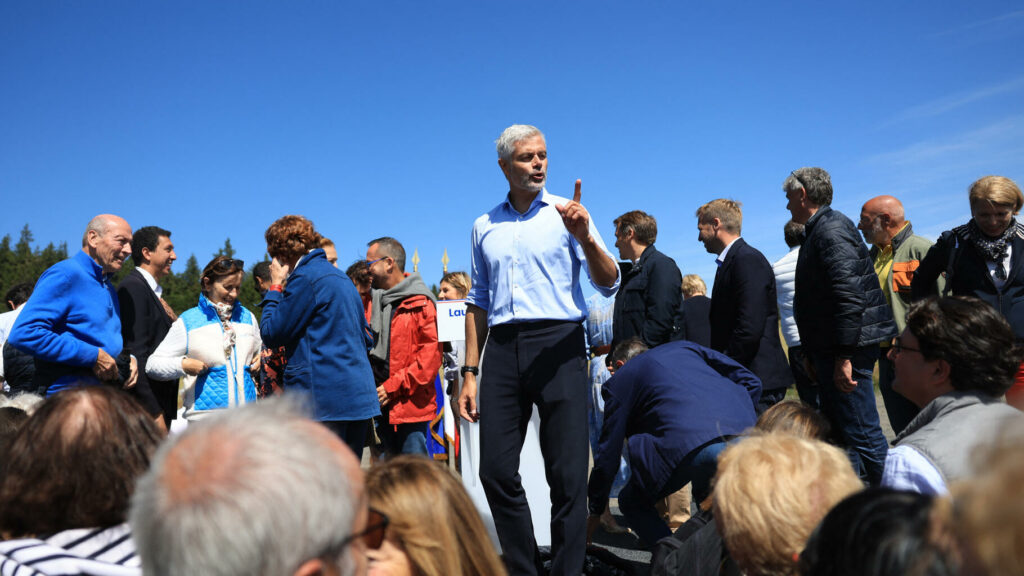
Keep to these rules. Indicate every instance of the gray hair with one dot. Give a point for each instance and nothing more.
(506, 143)
(391, 248)
(815, 181)
(99, 224)
(254, 490)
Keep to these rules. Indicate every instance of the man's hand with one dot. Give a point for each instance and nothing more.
(105, 367)
(382, 396)
(467, 399)
(843, 376)
(575, 217)
(278, 271)
(193, 367)
(255, 365)
(133, 374)
(593, 521)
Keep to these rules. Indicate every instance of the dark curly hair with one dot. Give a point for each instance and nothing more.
(291, 237)
(74, 463)
(972, 337)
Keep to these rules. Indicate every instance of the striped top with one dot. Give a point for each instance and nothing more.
(98, 552)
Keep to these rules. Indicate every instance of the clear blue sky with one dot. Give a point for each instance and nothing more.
(378, 118)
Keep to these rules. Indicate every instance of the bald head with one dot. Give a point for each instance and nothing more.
(108, 241)
(250, 491)
(881, 218)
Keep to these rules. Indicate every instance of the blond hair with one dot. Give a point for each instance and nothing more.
(459, 281)
(771, 490)
(997, 190)
(432, 517)
(692, 285)
(727, 211)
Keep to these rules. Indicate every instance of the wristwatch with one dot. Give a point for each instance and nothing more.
(475, 371)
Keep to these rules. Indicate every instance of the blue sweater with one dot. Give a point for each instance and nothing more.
(669, 401)
(319, 320)
(73, 312)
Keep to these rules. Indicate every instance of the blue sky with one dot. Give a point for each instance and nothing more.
(212, 119)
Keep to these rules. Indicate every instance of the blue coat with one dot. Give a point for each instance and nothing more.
(319, 320)
(669, 401)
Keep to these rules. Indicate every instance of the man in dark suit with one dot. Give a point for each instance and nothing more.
(744, 317)
(146, 317)
(649, 296)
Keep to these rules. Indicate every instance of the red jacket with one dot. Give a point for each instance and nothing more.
(414, 359)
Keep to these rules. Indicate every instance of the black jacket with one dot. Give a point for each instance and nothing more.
(648, 300)
(839, 305)
(694, 320)
(144, 324)
(745, 315)
(954, 252)
(19, 371)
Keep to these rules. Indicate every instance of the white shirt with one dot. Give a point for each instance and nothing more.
(6, 323)
(156, 288)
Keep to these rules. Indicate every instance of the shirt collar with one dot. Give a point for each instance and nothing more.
(151, 281)
(90, 265)
(721, 257)
(542, 199)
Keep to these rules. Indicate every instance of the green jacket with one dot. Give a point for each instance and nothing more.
(908, 251)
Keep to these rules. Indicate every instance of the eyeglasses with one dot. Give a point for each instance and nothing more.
(372, 262)
(373, 535)
(229, 264)
(898, 347)
(797, 178)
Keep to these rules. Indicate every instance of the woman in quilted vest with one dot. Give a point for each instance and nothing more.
(213, 346)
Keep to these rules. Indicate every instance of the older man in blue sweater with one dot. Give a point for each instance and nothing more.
(72, 322)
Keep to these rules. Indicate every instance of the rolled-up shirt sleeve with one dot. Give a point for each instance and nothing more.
(909, 470)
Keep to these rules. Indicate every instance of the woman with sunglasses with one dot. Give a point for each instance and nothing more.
(432, 527)
(213, 345)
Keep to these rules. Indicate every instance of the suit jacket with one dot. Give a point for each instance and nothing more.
(694, 320)
(745, 318)
(144, 324)
(648, 300)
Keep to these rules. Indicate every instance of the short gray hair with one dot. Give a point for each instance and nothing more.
(506, 143)
(254, 490)
(99, 224)
(392, 249)
(815, 181)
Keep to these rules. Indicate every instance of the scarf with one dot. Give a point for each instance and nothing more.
(383, 306)
(224, 315)
(993, 249)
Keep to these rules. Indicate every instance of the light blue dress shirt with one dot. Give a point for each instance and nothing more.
(526, 267)
(908, 470)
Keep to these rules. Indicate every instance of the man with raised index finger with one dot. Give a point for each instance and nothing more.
(527, 254)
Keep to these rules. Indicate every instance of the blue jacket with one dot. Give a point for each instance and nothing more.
(319, 319)
(648, 300)
(669, 401)
(73, 312)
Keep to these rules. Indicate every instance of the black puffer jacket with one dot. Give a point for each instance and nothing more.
(839, 305)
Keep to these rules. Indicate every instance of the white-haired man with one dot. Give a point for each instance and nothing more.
(256, 490)
(527, 254)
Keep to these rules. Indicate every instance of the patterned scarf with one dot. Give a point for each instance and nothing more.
(994, 250)
(224, 314)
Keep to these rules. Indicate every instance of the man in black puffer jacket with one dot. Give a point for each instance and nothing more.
(841, 314)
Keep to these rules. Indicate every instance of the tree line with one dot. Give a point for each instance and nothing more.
(23, 263)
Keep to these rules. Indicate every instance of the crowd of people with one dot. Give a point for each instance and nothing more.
(221, 441)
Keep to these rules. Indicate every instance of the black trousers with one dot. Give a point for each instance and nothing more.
(543, 364)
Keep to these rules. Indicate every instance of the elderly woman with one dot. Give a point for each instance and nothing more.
(433, 528)
(74, 522)
(319, 319)
(983, 258)
(212, 345)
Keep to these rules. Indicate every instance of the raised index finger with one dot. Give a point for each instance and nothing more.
(576, 194)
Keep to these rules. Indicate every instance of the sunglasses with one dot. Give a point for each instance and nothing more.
(373, 535)
(229, 264)
(372, 262)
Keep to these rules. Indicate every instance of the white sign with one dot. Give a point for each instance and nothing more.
(451, 320)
